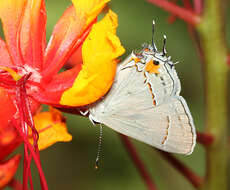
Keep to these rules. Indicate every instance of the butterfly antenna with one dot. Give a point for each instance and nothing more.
(164, 46)
(99, 148)
(176, 62)
(153, 30)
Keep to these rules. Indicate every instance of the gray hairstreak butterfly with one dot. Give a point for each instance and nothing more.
(145, 103)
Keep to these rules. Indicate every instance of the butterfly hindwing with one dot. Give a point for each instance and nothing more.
(168, 127)
(144, 103)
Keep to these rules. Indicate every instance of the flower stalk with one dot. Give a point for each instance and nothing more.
(138, 162)
(184, 14)
(212, 40)
(195, 180)
(205, 139)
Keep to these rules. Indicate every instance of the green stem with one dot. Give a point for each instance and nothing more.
(212, 37)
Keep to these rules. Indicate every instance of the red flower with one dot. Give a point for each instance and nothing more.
(29, 72)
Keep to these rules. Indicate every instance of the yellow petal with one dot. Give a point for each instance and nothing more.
(51, 128)
(89, 8)
(99, 52)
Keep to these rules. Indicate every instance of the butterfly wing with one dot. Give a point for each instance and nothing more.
(164, 84)
(131, 109)
(168, 127)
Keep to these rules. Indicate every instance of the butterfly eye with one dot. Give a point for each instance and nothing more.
(156, 62)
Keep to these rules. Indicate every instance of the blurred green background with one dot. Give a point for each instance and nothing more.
(70, 166)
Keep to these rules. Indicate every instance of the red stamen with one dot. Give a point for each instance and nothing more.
(26, 168)
(34, 155)
(186, 15)
(205, 139)
(30, 178)
(22, 126)
(138, 162)
(195, 180)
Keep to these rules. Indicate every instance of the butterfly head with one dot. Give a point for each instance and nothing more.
(151, 57)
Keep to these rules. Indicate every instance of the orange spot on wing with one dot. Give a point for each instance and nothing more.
(136, 59)
(151, 91)
(151, 67)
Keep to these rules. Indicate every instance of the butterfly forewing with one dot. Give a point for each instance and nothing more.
(146, 105)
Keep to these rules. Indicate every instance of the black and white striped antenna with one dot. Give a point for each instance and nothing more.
(96, 166)
(153, 30)
(164, 45)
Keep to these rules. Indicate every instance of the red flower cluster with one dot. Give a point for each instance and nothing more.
(30, 74)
